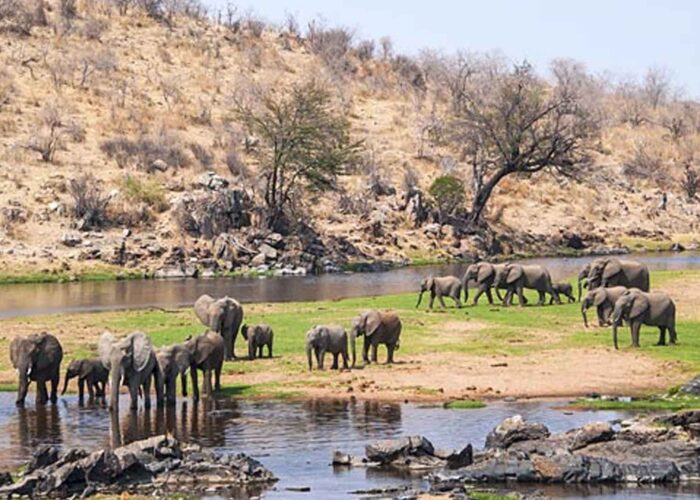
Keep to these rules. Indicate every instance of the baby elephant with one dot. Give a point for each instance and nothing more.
(327, 338)
(258, 336)
(564, 289)
(641, 308)
(90, 372)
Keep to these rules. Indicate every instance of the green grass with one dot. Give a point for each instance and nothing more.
(465, 404)
(651, 404)
(97, 274)
(272, 390)
(488, 495)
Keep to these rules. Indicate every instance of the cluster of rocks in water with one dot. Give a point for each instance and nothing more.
(646, 450)
(157, 465)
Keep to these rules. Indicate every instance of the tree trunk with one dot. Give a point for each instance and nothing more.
(481, 197)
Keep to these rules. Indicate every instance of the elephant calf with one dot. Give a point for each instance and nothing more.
(327, 338)
(604, 300)
(37, 358)
(90, 372)
(174, 361)
(564, 289)
(444, 286)
(378, 328)
(258, 336)
(642, 308)
(207, 352)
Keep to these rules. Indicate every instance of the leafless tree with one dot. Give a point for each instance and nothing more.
(690, 182)
(89, 203)
(49, 138)
(516, 123)
(632, 105)
(656, 86)
(387, 47)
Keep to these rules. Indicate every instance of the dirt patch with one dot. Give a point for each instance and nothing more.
(686, 294)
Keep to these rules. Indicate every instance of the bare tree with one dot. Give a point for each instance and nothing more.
(690, 182)
(304, 143)
(515, 123)
(632, 106)
(49, 138)
(656, 86)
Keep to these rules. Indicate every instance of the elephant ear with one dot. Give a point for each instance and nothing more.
(514, 274)
(640, 305)
(141, 350)
(372, 320)
(183, 359)
(203, 348)
(15, 349)
(85, 367)
(612, 268)
(104, 347)
(599, 297)
(485, 272)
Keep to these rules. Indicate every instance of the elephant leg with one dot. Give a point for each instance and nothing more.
(260, 351)
(54, 386)
(334, 366)
(345, 359)
(374, 352)
(146, 386)
(269, 350)
(207, 382)
(508, 298)
(390, 353)
(81, 390)
(458, 302)
(541, 297)
(41, 396)
(432, 300)
(662, 336)
(170, 397)
(477, 295)
(233, 335)
(320, 354)
(442, 302)
(521, 297)
(183, 383)
(489, 295)
(217, 378)
(134, 393)
(365, 350)
(91, 393)
(636, 326)
(195, 384)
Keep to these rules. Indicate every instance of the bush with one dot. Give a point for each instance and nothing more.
(448, 193)
(690, 183)
(365, 50)
(332, 45)
(645, 163)
(20, 16)
(204, 157)
(144, 151)
(89, 204)
(213, 213)
(149, 193)
(236, 165)
(49, 138)
(410, 72)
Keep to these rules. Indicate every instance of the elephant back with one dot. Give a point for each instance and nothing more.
(104, 348)
(50, 352)
(392, 326)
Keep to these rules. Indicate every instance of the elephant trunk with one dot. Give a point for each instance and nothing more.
(23, 384)
(585, 319)
(115, 379)
(615, 335)
(353, 348)
(309, 355)
(251, 347)
(420, 297)
(65, 382)
(465, 285)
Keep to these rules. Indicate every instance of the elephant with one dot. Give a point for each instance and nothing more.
(207, 352)
(484, 274)
(564, 289)
(90, 372)
(643, 308)
(173, 362)
(378, 328)
(133, 360)
(443, 286)
(223, 316)
(37, 357)
(609, 271)
(321, 339)
(516, 277)
(258, 336)
(604, 300)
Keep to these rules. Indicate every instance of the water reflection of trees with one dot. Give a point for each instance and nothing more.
(369, 416)
(38, 425)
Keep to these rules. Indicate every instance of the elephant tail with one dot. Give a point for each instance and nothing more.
(65, 383)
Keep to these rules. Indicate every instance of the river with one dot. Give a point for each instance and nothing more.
(51, 298)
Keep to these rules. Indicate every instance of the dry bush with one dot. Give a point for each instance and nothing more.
(410, 73)
(93, 29)
(254, 25)
(213, 213)
(387, 46)
(20, 16)
(690, 183)
(632, 108)
(145, 151)
(291, 24)
(49, 137)
(365, 50)
(90, 63)
(7, 88)
(411, 179)
(357, 204)
(332, 45)
(145, 192)
(236, 165)
(202, 155)
(89, 203)
(645, 163)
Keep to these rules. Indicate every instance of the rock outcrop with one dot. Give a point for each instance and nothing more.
(156, 465)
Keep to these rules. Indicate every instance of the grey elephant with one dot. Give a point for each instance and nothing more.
(443, 286)
(604, 300)
(484, 275)
(173, 362)
(223, 316)
(258, 336)
(582, 278)
(643, 308)
(207, 352)
(322, 339)
(378, 328)
(564, 289)
(37, 358)
(610, 271)
(517, 277)
(91, 373)
(133, 361)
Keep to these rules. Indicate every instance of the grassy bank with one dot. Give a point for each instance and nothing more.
(471, 345)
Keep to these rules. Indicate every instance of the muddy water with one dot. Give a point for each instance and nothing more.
(31, 299)
(294, 439)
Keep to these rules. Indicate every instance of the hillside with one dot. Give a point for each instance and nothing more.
(134, 115)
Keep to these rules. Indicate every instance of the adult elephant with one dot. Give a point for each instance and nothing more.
(610, 271)
(378, 328)
(604, 300)
(484, 275)
(133, 361)
(207, 356)
(90, 372)
(37, 358)
(516, 277)
(321, 339)
(442, 286)
(642, 308)
(223, 316)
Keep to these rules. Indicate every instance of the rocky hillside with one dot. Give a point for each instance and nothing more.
(119, 150)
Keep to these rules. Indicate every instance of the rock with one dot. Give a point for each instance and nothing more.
(432, 229)
(513, 430)
(269, 252)
(391, 449)
(159, 165)
(298, 489)
(258, 260)
(290, 271)
(275, 240)
(176, 271)
(677, 247)
(692, 387)
(71, 239)
(340, 458)
(593, 432)
(43, 456)
(5, 478)
(210, 180)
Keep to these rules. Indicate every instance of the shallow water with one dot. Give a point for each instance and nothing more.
(46, 298)
(294, 439)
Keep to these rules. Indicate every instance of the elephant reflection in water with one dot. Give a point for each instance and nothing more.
(327, 410)
(371, 412)
(189, 422)
(40, 425)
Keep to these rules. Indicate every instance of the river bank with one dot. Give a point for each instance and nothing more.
(482, 352)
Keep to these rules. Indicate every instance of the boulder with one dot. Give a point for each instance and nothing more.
(210, 180)
(391, 449)
(71, 239)
(269, 252)
(515, 429)
(593, 432)
(275, 240)
(43, 456)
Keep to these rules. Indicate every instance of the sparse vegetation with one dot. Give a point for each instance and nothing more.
(89, 203)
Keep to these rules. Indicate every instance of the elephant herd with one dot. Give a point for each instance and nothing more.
(134, 362)
(619, 289)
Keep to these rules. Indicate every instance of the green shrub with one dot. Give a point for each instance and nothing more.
(448, 193)
(148, 192)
